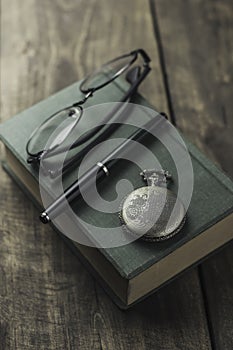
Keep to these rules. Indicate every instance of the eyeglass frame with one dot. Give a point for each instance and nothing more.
(35, 158)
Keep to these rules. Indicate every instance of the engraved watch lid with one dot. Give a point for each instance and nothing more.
(150, 211)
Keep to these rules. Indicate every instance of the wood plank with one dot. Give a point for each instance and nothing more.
(47, 299)
(199, 66)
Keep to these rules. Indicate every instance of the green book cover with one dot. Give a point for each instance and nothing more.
(134, 270)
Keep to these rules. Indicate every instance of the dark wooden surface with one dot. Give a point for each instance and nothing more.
(47, 298)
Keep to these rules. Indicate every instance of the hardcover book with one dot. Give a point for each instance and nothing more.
(132, 271)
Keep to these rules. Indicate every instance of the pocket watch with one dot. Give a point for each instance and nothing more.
(150, 212)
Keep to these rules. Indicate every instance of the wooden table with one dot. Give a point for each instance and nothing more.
(47, 298)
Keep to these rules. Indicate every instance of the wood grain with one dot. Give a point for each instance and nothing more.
(199, 66)
(47, 298)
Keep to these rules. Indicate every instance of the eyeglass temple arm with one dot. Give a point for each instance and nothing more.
(135, 85)
(143, 53)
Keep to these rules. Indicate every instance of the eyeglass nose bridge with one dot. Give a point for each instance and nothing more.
(35, 159)
(86, 97)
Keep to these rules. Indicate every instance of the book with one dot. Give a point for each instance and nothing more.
(130, 272)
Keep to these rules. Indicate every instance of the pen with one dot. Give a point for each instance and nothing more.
(97, 171)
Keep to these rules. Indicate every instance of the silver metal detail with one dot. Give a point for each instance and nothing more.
(153, 212)
(102, 166)
(75, 111)
(44, 218)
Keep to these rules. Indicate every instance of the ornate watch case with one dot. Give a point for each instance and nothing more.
(150, 211)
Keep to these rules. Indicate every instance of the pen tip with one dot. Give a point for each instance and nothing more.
(44, 217)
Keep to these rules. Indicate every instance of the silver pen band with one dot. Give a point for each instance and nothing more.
(102, 166)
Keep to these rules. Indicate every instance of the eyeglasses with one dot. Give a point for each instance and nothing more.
(64, 122)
